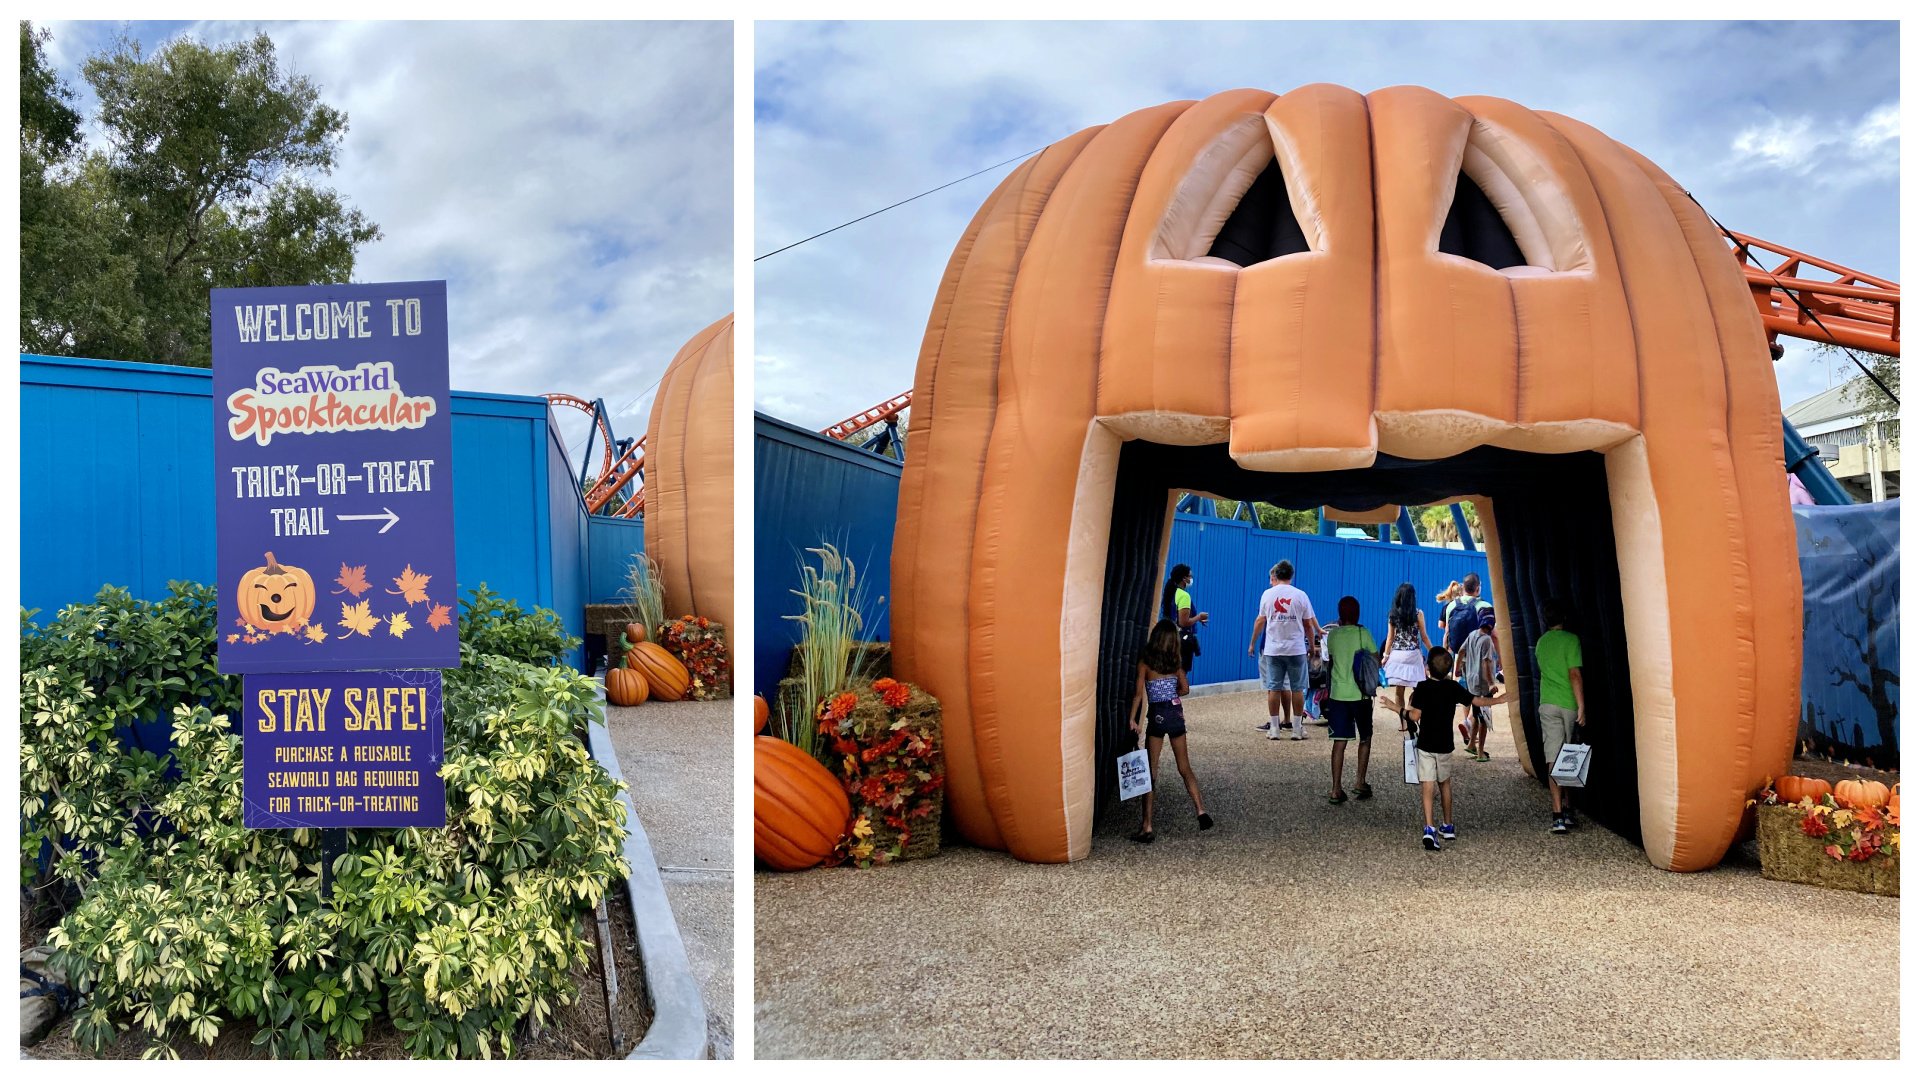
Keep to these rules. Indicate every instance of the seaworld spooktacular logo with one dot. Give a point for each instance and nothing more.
(322, 400)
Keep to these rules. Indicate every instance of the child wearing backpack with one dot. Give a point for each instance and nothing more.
(1349, 705)
(1432, 709)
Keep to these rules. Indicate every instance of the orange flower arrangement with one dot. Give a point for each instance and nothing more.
(1855, 834)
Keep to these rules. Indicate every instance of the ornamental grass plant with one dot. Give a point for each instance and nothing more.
(832, 645)
(645, 599)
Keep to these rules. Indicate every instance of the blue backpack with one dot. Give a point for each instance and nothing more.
(1463, 622)
(1366, 673)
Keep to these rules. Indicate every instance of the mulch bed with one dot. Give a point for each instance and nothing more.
(578, 1031)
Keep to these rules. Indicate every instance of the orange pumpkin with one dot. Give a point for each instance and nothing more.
(1794, 788)
(1860, 794)
(759, 714)
(276, 599)
(667, 678)
(625, 686)
(1893, 806)
(1131, 284)
(636, 633)
(799, 810)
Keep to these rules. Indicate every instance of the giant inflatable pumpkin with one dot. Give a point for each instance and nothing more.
(1329, 298)
(689, 477)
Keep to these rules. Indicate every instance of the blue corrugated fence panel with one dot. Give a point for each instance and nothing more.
(611, 545)
(809, 489)
(116, 487)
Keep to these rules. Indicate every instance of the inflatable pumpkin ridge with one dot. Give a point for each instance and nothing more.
(1092, 305)
(689, 476)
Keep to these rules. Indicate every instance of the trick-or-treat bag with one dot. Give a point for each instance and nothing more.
(1413, 763)
(1135, 779)
(1570, 767)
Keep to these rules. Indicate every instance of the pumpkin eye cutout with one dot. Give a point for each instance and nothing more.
(1475, 230)
(1263, 226)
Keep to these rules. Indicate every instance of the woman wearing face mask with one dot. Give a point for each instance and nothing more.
(1176, 606)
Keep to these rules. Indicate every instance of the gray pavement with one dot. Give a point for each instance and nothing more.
(1299, 929)
(678, 759)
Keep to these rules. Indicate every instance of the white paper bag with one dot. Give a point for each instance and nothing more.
(1413, 763)
(1135, 779)
(1570, 767)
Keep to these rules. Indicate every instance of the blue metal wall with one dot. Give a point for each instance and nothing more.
(116, 488)
(1230, 560)
(808, 488)
(611, 545)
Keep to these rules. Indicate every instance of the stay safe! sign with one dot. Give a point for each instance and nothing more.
(329, 750)
(333, 471)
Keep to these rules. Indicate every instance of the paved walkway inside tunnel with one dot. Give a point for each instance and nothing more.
(1299, 929)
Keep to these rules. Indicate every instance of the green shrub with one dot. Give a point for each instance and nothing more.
(186, 921)
(493, 626)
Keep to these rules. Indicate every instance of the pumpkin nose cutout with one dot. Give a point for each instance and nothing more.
(276, 598)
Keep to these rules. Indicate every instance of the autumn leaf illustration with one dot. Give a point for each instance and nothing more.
(398, 625)
(351, 579)
(231, 638)
(317, 634)
(411, 585)
(357, 619)
(439, 616)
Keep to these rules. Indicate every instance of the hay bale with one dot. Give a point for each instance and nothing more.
(1787, 854)
(876, 661)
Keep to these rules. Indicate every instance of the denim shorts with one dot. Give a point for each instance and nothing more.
(1165, 719)
(1345, 718)
(1283, 672)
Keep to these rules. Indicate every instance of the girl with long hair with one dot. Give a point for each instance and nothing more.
(1403, 660)
(1157, 689)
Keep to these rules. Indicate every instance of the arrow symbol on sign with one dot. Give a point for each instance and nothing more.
(389, 517)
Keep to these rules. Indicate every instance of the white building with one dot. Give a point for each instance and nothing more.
(1862, 454)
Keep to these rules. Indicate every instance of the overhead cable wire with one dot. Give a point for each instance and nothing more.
(1746, 253)
(902, 202)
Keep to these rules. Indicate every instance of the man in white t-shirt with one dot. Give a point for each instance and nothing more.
(1285, 621)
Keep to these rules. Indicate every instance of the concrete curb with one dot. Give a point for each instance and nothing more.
(1236, 687)
(679, 1028)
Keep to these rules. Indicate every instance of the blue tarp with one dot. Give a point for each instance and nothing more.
(1850, 677)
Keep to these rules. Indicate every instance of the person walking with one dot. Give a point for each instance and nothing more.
(1403, 661)
(1464, 618)
(1349, 712)
(1282, 626)
(1434, 703)
(1445, 598)
(1176, 606)
(1158, 687)
(1480, 662)
(1563, 698)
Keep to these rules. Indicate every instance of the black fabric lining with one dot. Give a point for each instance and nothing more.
(1474, 229)
(1556, 538)
(1263, 226)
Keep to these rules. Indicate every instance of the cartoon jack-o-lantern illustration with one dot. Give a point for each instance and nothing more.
(276, 599)
(1324, 297)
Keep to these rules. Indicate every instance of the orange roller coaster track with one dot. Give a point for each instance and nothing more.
(1854, 309)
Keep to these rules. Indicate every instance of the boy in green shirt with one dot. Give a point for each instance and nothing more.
(1563, 697)
(1349, 713)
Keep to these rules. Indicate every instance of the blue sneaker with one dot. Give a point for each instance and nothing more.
(1430, 839)
(1446, 831)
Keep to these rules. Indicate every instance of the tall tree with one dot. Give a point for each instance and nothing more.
(206, 178)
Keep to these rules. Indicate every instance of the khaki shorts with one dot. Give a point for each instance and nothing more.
(1437, 768)
(1556, 727)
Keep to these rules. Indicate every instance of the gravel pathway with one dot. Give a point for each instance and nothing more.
(1299, 929)
(678, 758)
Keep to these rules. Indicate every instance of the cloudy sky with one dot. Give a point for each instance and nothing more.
(572, 183)
(1788, 132)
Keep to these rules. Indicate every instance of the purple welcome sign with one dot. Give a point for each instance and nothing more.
(343, 750)
(333, 464)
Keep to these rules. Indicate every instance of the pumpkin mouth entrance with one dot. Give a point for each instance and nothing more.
(1554, 523)
(271, 615)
